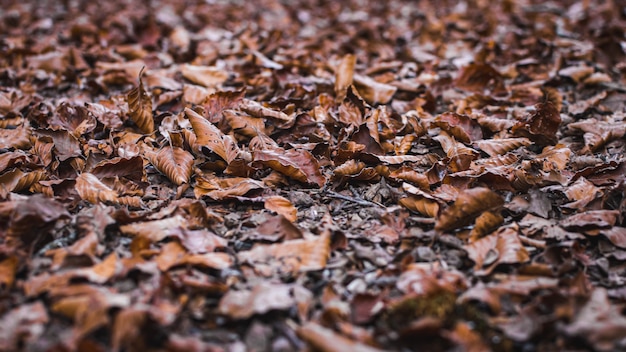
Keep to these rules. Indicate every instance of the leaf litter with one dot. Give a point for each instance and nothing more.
(366, 176)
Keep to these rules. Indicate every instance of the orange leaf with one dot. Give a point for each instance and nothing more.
(469, 205)
(140, 108)
(282, 206)
(173, 162)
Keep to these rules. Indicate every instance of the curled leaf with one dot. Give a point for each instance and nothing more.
(469, 205)
(140, 108)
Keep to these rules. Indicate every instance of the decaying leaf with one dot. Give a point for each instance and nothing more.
(308, 254)
(206, 76)
(327, 340)
(91, 189)
(140, 108)
(541, 126)
(502, 146)
(283, 206)
(469, 205)
(502, 247)
(261, 299)
(344, 75)
(300, 165)
(599, 322)
(210, 137)
(173, 162)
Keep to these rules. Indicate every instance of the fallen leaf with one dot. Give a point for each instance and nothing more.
(91, 189)
(281, 206)
(173, 162)
(300, 165)
(502, 247)
(22, 326)
(469, 205)
(598, 322)
(541, 126)
(261, 299)
(207, 76)
(140, 108)
(309, 254)
(325, 340)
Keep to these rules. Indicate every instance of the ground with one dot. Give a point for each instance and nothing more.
(312, 175)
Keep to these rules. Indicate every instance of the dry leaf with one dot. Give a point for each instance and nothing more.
(300, 165)
(281, 206)
(291, 256)
(469, 205)
(210, 137)
(502, 247)
(173, 162)
(140, 108)
(91, 189)
(206, 76)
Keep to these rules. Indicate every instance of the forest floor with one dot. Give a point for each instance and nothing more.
(312, 175)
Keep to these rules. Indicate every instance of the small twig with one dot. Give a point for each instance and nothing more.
(352, 199)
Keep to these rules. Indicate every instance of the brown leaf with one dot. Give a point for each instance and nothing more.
(481, 77)
(502, 247)
(73, 118)
(422, 205)
(300, 165)
(281, 206)
(255, 109)
(308, 254)
(207, 76)
(598, 133)
(140, 108)
(8, 268)
(263, 298)
(591, 219)
(22, 325)
(372, 91)
(91, 189)
(485, 223)
(325, 340)
(210, 137)
(469, 205)
(599, 322)
(461, 127)
(541, 126)
(424, 279)
(460, 156)
(344, 75)
(501, 146)
(173, 162)
(581, 193)
(222, 188)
